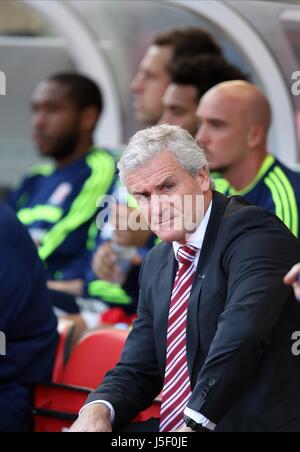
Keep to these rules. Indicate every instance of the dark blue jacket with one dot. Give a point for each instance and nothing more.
(58, 206)
(26, 319)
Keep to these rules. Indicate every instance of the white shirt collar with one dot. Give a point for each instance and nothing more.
(197, 238)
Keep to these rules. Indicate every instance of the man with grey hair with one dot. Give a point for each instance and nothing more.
(215, 318)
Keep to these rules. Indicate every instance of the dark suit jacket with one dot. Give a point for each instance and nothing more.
(240, 322)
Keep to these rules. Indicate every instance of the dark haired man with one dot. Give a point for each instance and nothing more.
(153, 77)
(191, 78)
(57, 201)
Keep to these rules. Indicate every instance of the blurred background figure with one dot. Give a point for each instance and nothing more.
(153, 77)
(235, 118)
(57, 201)
(26, 319)
(191, 78)
(107, 40)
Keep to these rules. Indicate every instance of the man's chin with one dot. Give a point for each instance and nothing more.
(171, 236)
(145, 119)
(216, 168)
(47, 153)
(139, 115)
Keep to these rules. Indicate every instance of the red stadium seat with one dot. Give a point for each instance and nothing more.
(65, 330)
(57, 405)
(94, 355)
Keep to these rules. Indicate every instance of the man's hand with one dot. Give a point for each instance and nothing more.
(292, 279)
(105, 263)
(93, 419)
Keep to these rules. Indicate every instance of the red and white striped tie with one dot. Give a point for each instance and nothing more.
(177, 386)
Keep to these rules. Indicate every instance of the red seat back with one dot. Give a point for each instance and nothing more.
(56, 407)
(94, 355)
(65, 330)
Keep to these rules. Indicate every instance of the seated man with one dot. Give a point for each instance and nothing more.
(26, 320)
(235, 118)
(214, 319)
(191, 78)
(148, 87)
(153, 76)
(58, 202)
(111, 292)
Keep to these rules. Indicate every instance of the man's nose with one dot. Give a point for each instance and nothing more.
(38, 121)
(137, 83)
(202, 137)
(160, 204)
(165, 118)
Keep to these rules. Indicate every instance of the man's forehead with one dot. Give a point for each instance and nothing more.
(155, 172)
(181, 93)
(50, 89)
(219, 105)
(161, 55)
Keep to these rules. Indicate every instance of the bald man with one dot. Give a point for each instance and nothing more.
(235, 118)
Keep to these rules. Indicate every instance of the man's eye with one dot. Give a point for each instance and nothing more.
(150, 77)
(53, 109)
(142, 199)
(177, 112)
(217, 124)
(169, 187)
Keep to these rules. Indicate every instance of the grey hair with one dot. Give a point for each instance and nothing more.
(148, 143)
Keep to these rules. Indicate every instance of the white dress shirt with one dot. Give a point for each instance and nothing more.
(196, 240)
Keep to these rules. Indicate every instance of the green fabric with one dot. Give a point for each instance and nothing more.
(84, 207)
(51, 214)
(269, 161)
(288, 198)
(108, 292)
(92, 237)
(41, 170)
(281, 189)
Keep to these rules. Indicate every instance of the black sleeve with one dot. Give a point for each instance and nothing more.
(135, 382)
(255, 263)
(26, 317)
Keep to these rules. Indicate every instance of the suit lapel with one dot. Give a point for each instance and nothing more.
(166, 282)
(165, 287)
(194, 312)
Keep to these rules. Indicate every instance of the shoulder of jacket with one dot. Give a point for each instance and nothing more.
(41, 170)
(158, 253)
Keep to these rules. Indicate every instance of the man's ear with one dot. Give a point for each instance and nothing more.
(89, 118)
(256, 136)
(204, 179)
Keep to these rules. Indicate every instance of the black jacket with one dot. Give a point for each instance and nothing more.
(240, 323)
